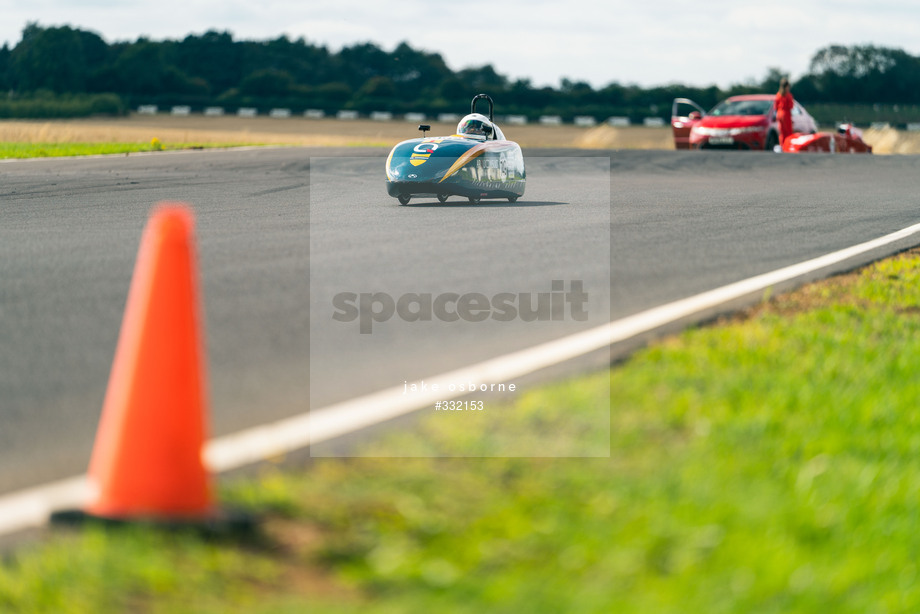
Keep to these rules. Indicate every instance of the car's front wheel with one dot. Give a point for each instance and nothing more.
(772, 141)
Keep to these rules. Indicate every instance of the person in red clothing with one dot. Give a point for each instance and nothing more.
(784, 104)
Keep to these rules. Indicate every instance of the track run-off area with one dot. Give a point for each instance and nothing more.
(281, 229)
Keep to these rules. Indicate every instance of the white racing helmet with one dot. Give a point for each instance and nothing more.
(475, 125)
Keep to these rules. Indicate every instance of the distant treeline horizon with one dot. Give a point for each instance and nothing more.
(52, 67)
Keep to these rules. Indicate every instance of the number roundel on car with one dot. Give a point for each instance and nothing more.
(422, 152)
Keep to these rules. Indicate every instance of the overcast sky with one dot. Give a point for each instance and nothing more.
(648, 43)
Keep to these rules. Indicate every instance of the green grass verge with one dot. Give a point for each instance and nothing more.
(53, 150)
(769, 463)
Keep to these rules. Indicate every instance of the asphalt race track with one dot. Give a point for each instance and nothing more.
(671, 224)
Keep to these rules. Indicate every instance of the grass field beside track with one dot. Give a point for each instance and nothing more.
(175, 131)
(767, 463)
(179, 132)
(56, 150)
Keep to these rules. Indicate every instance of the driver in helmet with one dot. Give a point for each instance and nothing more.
(475, 125)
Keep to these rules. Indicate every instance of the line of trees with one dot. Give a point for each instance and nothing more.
(65, 63)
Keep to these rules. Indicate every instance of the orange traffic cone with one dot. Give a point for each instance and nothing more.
(147, 459)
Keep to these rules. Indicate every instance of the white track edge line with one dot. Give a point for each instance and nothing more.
(32, 507)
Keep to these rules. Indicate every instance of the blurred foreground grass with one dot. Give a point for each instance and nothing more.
(768, 463)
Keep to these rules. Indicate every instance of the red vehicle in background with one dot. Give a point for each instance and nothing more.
(739, 122)
(847, 139)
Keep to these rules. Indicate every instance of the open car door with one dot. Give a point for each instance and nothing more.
(684, 115)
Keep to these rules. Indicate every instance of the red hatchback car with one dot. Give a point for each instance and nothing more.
(739, 122)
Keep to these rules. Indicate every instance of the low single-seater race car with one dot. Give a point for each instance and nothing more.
(476, 163)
